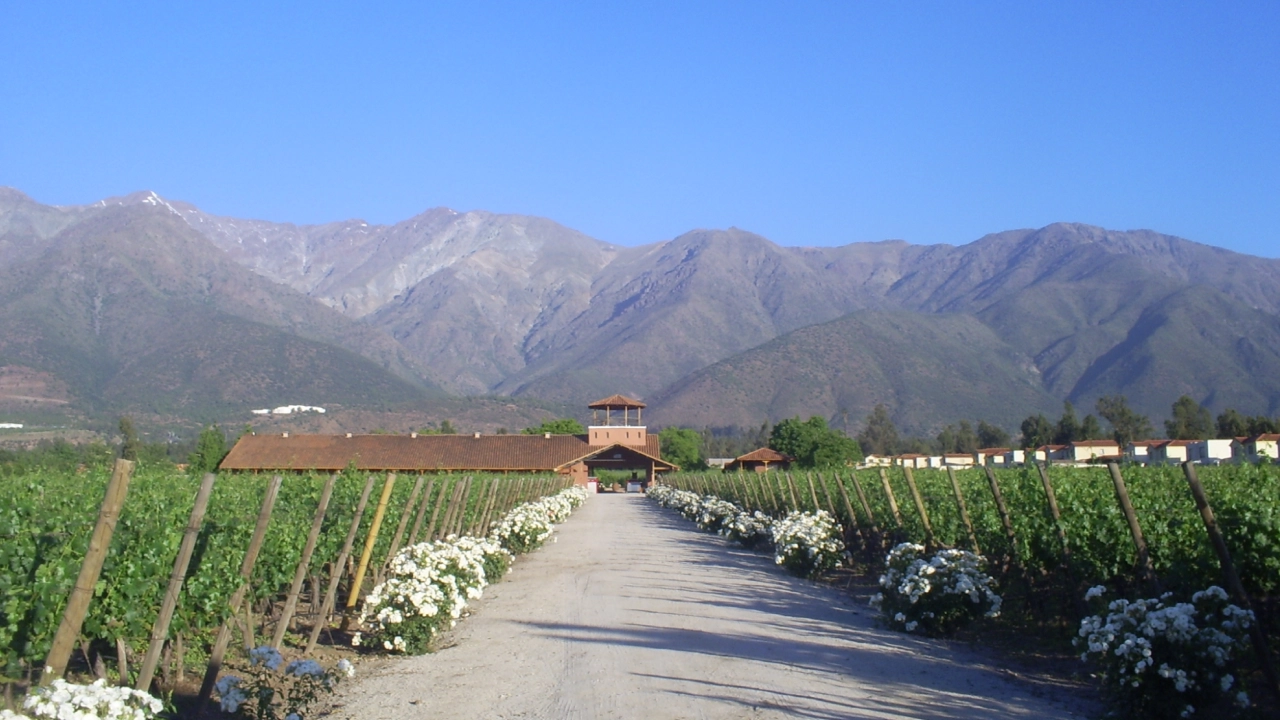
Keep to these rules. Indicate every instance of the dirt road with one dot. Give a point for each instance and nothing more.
(633, 613)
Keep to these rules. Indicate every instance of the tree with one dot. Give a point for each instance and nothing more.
(562, 426)
(683, 447)
(129, 444)
(1090, 428)
(880, 436)
(990, 436)
(1036, 431)
(1190, 421)
(1068, 429)
(1231, 424)
(1126, 424)
(813, 444)
(446, 428)
(211, 447)
(1261, 424)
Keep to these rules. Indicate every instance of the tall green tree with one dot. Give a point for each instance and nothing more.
(991, 436)
(1261, 424)
(1090, 428)
(813, 444)
(880, 436)
(1127, 424)
(1231, 424)
(130, 444)
(682, 446)
(211, 447)
(561, 426)
(1190, 421)
(1068, 428)
(1036, 431)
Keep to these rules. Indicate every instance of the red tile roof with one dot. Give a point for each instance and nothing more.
(1095, 443)
(618, 401)
(525, 453)
(763, 455)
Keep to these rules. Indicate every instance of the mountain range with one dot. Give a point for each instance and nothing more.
(151, 306)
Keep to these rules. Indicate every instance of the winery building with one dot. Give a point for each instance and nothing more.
(616, 440)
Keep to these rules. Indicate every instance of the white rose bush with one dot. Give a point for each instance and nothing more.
(68, 701)
(1161, 658)
(429, 585)
(806, 544)
(276, 690)
(935, 595)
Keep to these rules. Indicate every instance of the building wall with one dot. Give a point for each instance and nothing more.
(630, 435)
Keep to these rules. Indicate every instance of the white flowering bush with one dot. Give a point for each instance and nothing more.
(935, 595)
(750, 529)
(683, 500)
(427, 589)
(528, 525)
(428, 585)
(68, 701)
(1161, 658)
(807, 544)
(275, 689)
(524, 529)
(715, 515)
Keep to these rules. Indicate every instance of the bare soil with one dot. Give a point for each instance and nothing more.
(634, 613)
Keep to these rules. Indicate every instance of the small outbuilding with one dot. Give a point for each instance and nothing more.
(762, 460)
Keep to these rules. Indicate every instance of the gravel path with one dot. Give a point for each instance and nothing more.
(633, 613)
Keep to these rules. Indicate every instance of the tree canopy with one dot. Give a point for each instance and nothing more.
(1126, 424)
(211, 447)
(880, 436)
(561, 426)
(1190, 421)
(683, 447)
(813, 444)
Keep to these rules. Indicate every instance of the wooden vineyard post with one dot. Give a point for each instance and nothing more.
(160, 631)
(767, 484)
(826, 495)
(919, 502)
(813, 493)
(482, 506)
(754, 491)
(893, 501)
(1140, 543)
(848, 510)
(442, 530)
(1055, 513)
(404, 520)
(853, 519)
(55, 664)
(339, 568)
(246, 572)
(422, 512)
(435, 511)
(862, 500)
(1003, 510)
(354, 596)
(460, 516)
(1229, 574)
(964, 511)
(482, 528)
(791, 492)
(304, 563)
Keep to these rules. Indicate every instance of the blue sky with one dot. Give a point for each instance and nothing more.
(809, 123)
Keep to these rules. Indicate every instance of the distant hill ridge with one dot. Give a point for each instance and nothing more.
(484, 303)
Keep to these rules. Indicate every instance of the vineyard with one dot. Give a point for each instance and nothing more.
(1051, 533)
(320, 542)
